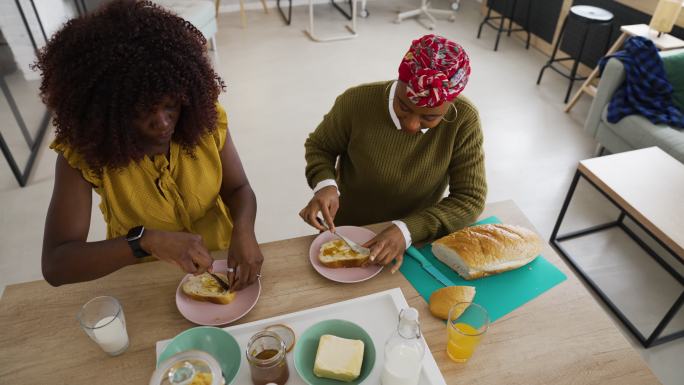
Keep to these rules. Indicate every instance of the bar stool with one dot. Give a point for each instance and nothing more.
(587, 17)
(503, 17)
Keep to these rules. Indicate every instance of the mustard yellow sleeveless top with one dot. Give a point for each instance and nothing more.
(180, 193)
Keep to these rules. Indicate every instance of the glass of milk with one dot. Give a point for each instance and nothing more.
(102, 318)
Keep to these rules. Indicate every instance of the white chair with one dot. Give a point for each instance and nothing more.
(352, 29)
(427, 10)
(200, 13)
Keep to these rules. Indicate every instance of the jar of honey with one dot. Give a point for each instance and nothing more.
(267, 357)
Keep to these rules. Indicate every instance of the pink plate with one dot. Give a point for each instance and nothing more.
(359, 235)
(211, 314)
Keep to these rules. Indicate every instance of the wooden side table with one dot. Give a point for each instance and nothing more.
(664, 43)
(633, 182)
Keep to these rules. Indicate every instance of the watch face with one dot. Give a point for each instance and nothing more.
(135, 233)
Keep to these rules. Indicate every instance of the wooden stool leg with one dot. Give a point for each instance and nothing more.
(587, 83)
(242, 14)
(579, 92)
(263, 3)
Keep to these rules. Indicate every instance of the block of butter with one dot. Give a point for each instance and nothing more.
(338, 358)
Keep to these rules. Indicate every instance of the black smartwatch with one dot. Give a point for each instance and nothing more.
(133, 237)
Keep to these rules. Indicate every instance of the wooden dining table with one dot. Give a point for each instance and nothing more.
(561, 337)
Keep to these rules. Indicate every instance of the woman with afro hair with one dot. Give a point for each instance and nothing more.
(134, 99)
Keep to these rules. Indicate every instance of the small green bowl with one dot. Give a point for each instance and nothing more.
(217, 342)
(307, 346)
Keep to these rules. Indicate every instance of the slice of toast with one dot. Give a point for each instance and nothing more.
(336, 254)
(204, 287)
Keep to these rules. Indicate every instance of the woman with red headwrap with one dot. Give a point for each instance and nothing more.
(398, 145)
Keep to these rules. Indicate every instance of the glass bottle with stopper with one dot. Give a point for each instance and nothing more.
(404, 351)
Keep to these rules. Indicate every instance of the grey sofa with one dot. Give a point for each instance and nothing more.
(631, 132)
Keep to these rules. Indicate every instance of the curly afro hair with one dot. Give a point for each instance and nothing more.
(102, 71)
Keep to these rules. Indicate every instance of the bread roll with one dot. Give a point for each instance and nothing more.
(479, 251)
(442, 300)
(204, 287)
(336, 254)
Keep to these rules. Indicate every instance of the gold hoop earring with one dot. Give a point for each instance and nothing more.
(455, 114)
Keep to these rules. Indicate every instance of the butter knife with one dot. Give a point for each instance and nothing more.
(428, 267)
(352, 245)
(220, 282)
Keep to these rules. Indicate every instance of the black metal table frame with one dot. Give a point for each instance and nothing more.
(654, 338)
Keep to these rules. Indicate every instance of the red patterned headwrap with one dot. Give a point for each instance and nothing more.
(435, 71)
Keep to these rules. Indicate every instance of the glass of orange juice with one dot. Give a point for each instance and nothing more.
(467, 324)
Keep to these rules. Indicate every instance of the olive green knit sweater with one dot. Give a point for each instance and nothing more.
(385, 174)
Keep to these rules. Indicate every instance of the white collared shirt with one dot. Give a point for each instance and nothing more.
(393, 114)
(331, 182)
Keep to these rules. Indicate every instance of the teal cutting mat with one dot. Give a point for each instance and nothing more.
(499, 294)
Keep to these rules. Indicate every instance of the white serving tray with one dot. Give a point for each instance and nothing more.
(377, 313)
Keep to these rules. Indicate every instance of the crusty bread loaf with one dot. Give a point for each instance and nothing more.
(442, 300)
(479, 251)
(337, 254)
(204, 287)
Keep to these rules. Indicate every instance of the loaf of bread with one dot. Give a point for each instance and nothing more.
(479, 251)
(337, 253)
(442, 300)
(204, 287)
